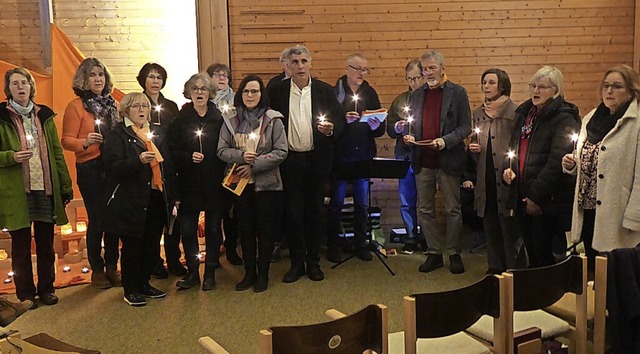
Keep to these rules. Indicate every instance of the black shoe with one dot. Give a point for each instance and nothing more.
(233, 257)
(178, 270)
(134, 299)
(261, 284)
(160, 272)
(364, 254)
(276, 256)
(151, 292)
(424, 246)
(190, 280)
(49, 299)
(434, 261)
(333, 255)
(293, 274)
(248, 281)
(314, 272)
(409, 248)
(455, 264)
(209, 279)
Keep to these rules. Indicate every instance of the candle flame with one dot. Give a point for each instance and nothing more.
(511, 154)
(199, 132)
(98, 121)
(199, 256)
(574, 137)
(322, 118)
(406, 109)
(253, 136)
(157, 108)
(29, 137)
(356, 97)
(225, 108)
(150, 135)
(477, 130)
(410, 119)
(10, 274)
(85, 270)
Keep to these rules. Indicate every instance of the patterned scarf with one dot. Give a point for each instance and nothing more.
(102, 107)
(532, 116)
(249, 120)
(19, 115)
(224, 96)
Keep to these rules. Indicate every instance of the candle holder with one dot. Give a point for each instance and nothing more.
(81, 226)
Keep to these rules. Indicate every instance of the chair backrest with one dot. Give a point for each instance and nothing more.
(600, 305)
(537, 288)
(434, 315)
(363, 330)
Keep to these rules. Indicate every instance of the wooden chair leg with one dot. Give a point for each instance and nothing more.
(600, 308)
(265, 342)
(410, 334)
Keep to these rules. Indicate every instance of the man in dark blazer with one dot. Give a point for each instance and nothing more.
(442, 122)
(313, 119)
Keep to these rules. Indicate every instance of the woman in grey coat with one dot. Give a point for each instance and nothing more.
(494, 122)
(255, 141)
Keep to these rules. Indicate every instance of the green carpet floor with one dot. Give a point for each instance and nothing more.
(100, 319)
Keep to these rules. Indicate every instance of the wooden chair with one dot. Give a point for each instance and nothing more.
(538, 288)
(434, 322)
(362, 332)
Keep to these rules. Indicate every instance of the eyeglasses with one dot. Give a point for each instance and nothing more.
(360, 70)
(140, 105)
(155, 77)
(253, 92)
(199, 89)
(533, 87)
(615, 86)
(413, 78)
(221, 75)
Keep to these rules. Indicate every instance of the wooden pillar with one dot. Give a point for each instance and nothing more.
(45, 31)
(636, 39)
(212, 21)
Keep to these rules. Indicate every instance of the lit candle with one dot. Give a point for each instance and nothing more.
(98, 123)
(66, 229)
(199, 256)
(322, 119)
(150, 136)
(410, 120)
(10, 274)
(85, 270)
(477, 132)
(66, 269)
(7, 281)
(574, 138)
(406, 110)
(252, 144)
(355, 99)
(29, 137)
(158, 108)
(199, 134)
(81, 226)
(511, 155)
(225, 108)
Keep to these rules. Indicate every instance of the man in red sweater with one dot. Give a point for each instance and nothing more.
(442, 122)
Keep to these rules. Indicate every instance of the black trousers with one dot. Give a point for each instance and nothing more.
(212, 233)
(21, 260)
(303, 190)
(256, 214)
(140, 252)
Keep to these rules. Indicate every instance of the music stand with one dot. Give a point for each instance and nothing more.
(375, 168)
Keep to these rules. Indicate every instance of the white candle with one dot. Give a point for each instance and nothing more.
(199, 134)
(150, 136)
(410, 120)
(477, 132)
(574, 138)
(355, 99)
(511, 155)
(158, 108)
(98, 123)
(225, 108)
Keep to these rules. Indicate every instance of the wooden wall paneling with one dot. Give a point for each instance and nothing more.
(213, 32)
(636, 43)
(577, 36)
(45, 30)
(20, 39)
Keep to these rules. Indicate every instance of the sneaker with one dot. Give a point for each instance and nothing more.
(455, 264)
(409, 248)
(151, 292)
(363, 254)
(160, 272)
(275, 255)
(134, 299)
(433, 262)
(100, 281)
(113, 276)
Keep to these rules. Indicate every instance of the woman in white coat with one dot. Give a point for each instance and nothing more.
(606, 209)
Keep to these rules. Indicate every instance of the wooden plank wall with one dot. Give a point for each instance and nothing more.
(20, 37)
(581, 37)
(127, 34)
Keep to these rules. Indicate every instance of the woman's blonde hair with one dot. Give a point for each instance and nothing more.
(128, 100)
(554, 75)
(630, 76)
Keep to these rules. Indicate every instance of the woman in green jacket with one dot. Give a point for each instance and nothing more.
(35, 184)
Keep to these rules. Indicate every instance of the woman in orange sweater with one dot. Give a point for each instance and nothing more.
(86, 120)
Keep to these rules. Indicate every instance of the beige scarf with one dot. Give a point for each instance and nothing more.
(492, 108)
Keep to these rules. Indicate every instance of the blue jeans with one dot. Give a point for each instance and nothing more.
(360, 212)
(92, 185)
(408, 198)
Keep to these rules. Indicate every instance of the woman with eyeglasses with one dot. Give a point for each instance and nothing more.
(397, 127)
(140, 182)
(606, 209)
(541, 193)
(87, 119)
(34, 186)
(193, 142)
(224, 100)
(262, 128)
(494, 121)
(152, 78)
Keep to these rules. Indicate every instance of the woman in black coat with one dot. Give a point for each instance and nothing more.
(193, 140)
(540, 139)
(137, 200)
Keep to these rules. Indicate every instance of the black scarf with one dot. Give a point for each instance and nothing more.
(249, 120)
(103, 107)
(603, 121)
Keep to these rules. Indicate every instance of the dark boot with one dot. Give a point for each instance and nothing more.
(262, 281)
(209, 280)
(249, 278)
(191, 279)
